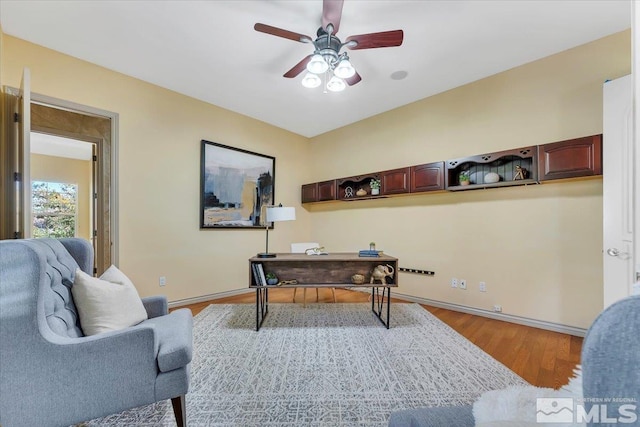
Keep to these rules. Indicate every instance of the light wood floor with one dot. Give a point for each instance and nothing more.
(543, 358)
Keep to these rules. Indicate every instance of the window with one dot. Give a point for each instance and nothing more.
(55, 207)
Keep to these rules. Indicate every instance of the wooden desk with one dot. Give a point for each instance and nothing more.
(325, 271)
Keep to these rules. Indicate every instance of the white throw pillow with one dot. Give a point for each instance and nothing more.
(108, 303)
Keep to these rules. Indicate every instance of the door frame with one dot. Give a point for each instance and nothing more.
(114, 120)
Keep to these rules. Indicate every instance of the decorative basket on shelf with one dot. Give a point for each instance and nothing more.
(357, 279)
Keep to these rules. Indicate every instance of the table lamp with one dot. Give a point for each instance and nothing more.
(275, 214)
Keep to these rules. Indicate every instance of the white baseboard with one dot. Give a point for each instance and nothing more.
(209, 297)
(541, 324)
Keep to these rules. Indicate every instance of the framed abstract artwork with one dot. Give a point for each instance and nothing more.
(235, 185)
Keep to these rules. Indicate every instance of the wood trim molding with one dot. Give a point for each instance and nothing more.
(208, 297)
(541, 324)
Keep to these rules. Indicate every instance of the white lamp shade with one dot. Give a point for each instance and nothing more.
(280, 213)
(310, 81)
(336, 84)
(317, 65)
(344, 70)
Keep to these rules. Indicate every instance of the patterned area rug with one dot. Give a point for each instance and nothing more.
(324, 365)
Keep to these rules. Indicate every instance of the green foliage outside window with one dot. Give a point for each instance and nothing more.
(54, 209)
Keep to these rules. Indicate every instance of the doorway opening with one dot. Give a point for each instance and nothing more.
(75, 147)
(62, 187)
(79, 147)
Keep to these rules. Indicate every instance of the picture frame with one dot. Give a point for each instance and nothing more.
(235, 186)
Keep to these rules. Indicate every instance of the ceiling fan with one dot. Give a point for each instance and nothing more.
(327, 58)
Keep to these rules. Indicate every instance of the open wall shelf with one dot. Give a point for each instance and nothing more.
(513, 167)
(356, 187)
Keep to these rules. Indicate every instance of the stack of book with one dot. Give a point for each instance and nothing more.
(369, 253)
(258, 274)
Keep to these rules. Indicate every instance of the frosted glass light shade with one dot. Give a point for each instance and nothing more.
(344, 70)
(317, 65)
(280, 213)
(311, 80)
(336, 84)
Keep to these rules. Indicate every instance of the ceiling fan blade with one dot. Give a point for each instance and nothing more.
(279, 32)
(332, 13)
(373, 40)
(298, 68)
(353, 79)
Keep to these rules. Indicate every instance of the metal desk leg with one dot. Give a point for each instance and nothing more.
(378, 302)
(262, 305)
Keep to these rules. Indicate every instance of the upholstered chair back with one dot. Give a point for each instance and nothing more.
(59, 268)
(45, 294)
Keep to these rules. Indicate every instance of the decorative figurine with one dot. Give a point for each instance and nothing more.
(316, 251)
(381, 272)
(491, 178)
(521, 173)
(361, 192)
(348, 192)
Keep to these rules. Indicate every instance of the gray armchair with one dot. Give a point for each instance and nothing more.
(610, 356)
(53, 375)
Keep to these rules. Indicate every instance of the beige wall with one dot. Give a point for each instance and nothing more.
(159, 172)
(68, 171)
(538, 248)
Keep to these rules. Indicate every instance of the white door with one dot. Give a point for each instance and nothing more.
(618, 190)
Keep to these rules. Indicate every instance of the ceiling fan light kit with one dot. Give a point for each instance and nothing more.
(344, 70)
(336, 84)
(311, 80)
(317, 65)
(326, 59)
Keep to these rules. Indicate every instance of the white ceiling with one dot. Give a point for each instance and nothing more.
(58, 146)
(208, 49)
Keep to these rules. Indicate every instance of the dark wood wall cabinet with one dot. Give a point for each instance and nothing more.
(327, 190)
(572, 158)
(310, 193)
(396, 181)
(580, 157)
(319, 191)
(427, 177)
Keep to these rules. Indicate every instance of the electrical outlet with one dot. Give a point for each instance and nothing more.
(463, 284)
(454, 283)
(497, 308)
(483, 287)
(162, 281)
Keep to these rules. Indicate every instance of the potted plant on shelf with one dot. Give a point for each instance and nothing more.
(272, 279)
(464, 178)
(375, 186)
